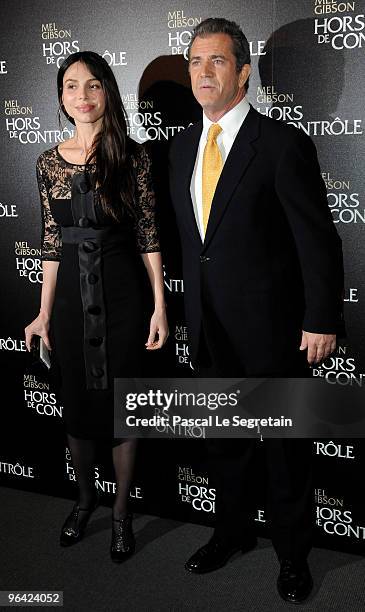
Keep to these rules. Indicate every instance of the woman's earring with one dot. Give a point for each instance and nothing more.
(59, 118)
(62, 111)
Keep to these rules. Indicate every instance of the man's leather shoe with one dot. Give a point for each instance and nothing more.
(295, 581)
(215, 554)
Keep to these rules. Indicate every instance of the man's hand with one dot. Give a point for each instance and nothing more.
(319, 346)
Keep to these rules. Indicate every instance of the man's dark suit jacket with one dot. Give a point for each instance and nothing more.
(271, 262)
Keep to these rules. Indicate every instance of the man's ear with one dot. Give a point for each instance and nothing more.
(244, 74)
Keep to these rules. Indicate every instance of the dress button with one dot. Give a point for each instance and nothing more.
(93, 309)
(95, 341)
(83, 186)
(203, 258)
(92, 278)
(84, 222)
(89, 246)
(97, 372)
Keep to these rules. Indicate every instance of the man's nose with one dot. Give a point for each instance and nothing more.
(206, 70)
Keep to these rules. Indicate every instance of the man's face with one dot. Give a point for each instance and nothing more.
(215, 82)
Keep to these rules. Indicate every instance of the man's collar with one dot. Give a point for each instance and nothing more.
(231, 121)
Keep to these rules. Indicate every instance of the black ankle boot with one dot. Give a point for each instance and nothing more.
(75, 524)
(123, 543)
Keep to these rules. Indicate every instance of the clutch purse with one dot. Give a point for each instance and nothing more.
(44, 355)
(40, 353)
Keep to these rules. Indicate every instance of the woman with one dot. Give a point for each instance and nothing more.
(98, 217)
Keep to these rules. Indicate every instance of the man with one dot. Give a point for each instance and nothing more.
(262, 267)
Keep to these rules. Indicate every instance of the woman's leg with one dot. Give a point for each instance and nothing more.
(124, 454)
(83, 461)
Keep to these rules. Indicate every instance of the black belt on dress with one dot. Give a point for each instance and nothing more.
(74, 235)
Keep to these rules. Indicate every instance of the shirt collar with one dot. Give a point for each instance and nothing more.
(231, 121)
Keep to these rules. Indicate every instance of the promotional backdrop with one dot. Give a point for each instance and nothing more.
(307, 70)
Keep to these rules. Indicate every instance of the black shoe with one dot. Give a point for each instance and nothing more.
(123, 543)
(295, 581)
(215, 554)
(75, 524)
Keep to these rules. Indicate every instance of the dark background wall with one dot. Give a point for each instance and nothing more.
(307, 70)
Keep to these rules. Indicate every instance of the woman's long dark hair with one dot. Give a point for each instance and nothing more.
(112, 148)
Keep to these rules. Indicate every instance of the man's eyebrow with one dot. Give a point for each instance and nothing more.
(215, 56)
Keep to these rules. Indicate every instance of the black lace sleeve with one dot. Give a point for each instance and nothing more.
(51, 241)
(146, 228)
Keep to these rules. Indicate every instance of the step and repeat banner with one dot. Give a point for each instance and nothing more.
(307, 60)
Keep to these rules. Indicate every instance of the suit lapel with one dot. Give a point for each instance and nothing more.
(237, 162)
(188, 156)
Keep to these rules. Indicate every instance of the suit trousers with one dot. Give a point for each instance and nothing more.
(289, 472)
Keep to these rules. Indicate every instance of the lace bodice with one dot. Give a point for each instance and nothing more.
(54, 176)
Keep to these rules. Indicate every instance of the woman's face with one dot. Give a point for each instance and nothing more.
(82, 95)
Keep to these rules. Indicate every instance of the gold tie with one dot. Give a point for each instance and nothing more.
(212, 167)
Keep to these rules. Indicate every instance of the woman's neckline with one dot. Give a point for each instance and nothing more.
(71, 163)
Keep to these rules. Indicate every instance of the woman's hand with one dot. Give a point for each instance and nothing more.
(158, 327)
(38, 327)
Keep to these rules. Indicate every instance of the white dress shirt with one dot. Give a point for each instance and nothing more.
(230, 124)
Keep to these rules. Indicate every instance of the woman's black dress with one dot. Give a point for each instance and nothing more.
(97, 331)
